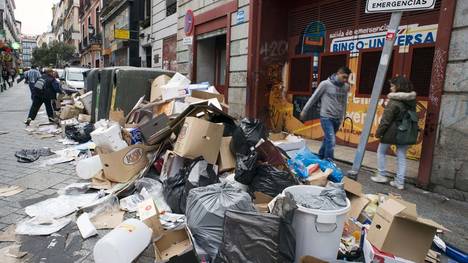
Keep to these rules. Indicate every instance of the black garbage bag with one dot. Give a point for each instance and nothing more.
(271, 180)
(257, 238)
(245, 168)
(31, 155)
(194, 174)
(79, 132)
(205, 214)
(247, 134)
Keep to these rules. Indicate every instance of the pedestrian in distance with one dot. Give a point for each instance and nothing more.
(6, 76)
(332, 96)
(44, 92)
(31, 77)
(13, 75)
(398, 126)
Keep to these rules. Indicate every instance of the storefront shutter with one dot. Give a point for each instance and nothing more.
(421, 69)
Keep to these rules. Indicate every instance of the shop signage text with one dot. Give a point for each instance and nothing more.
(123, 34)
(398, 5)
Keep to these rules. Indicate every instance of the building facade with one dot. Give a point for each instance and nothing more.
(71, 23)
(58, 17)
(9, 34)
(28, 44)
(91, 37)
(115, 15)
(46, 39)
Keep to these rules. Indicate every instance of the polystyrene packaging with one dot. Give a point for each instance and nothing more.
(109, 138)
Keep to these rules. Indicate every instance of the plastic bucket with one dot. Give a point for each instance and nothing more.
(318, 232)
(124, 243)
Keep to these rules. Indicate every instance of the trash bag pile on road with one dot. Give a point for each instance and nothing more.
(179, 174)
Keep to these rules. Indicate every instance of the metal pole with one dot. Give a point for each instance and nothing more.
(376, 90)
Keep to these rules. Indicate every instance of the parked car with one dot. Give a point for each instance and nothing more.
(61, 73)
(74, 79)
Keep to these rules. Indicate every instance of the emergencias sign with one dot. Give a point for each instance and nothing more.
(398, 5)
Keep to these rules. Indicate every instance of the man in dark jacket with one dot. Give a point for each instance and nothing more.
(401, 99)
(332, 95)
(45, 90)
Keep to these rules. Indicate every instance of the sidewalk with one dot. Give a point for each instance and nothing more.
(346, 154)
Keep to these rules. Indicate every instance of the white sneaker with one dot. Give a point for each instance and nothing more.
(379, 179)
(397, 185)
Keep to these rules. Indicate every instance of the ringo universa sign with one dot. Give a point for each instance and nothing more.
(374, 6)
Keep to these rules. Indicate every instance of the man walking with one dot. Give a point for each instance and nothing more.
(332, 96)
(32, 76)
(44, 92)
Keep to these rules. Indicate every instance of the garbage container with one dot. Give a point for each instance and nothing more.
(318, 232)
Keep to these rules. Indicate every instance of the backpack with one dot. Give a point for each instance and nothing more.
(408, 128)
(40, 83)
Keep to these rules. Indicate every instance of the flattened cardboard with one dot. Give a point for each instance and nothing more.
(199, 138)
(397, 229)
(149, 214)
(155, 129)
(175, 247)
(261, 202)
(121, 166)
(68, 112)
(84, 117)
(226, 160)
(156, 87)
(354, 193)
(311, 259)
(204, 95)
(108, 220)
(117, 116)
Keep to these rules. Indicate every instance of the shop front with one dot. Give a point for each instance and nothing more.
(296, 44)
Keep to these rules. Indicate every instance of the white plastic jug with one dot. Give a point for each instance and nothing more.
(124, 243)
(110, 138)
(318, 232)
(89, 167)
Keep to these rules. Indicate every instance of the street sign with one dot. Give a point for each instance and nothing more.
(375, 6)
(240, 18)
(189, 22)
(187, 41)
(123, 34)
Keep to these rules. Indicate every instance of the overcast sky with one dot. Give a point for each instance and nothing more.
(35, 15)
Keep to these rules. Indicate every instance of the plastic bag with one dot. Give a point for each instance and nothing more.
(249, 132)
(150, 188)
(79, 132)
(245, 168)
(271, 181)
(176, 187)
(205, 213)
(332, 197)
(264, 233)
(60, 206)
(40, 227)
(130, 203)
(304, 157)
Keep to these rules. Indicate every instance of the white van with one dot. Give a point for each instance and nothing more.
(74, 79)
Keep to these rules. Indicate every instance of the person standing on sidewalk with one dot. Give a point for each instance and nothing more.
(6, 76)
(332, 95)
(402, 99)
(31, 77)
(44, 92)
(13, 75)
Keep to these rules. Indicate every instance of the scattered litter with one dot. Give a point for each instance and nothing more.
(41, 226)
(108, 220)
(31, 155)
(66, 141)
(4, 132)
(172, 221)
(60, 206)
(9, 234)
(85, 226)
(130, 203)
(79, 132)
(10, 190)
(150, 188)
(332, 197)
(74, 189)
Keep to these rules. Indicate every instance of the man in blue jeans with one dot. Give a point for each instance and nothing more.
(332, 96)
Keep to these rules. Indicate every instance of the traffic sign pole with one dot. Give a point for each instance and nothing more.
(376, 91)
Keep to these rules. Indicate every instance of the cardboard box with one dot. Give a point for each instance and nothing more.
(226, 160)
(319, 177)
(84, 118)
(117, 116)
(199, 138)
(397, 229)
(355, 196)
(171, 166)
(311, 259)
(68, 112)
(121, 166)
(156, 129)
(204, 95)
(149, 214)
(156, 87)
(372, 254)
(261, 202)
(175, 247)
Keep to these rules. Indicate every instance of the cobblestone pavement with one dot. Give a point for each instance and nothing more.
(42, 182)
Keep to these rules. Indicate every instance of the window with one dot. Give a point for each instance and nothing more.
(421, 69)
(368, 65)
(300, 75)
(147, 8)
(329, 64)
(171, 7)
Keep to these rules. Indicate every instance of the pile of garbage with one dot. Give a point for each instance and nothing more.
(200, 186)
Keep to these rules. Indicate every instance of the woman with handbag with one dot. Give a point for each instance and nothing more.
(398, 126)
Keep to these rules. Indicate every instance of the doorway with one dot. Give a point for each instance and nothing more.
(211, 61)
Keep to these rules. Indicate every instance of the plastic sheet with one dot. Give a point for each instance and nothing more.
(130, 203)
(304, 157)
(269, 239)
(205, 213)
(176, 188)
(60, 206)
(151, 188)
(245, 168)
(271, 181)
(38, 226)
(332, 197)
